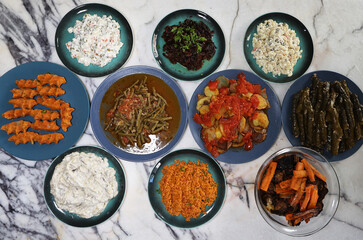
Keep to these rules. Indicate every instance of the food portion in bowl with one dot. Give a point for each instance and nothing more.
(188, 43)
(327, 116)
(276, 48)
(141, 113)
(46, 87)
(292, 187)
(83, 183)
(96, 40)
(232, 113)
(187, 188)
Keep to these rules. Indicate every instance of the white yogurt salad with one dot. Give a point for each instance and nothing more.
(96, 40)
(276, 47)
(83, 184)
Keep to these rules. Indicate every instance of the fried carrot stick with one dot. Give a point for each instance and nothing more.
(298, 195)
(306, 198)
(296, 181)
(268, 177)
(285, 184)
(318, 174)
(313, 198)
(300, 173)
(309, 170)
(280, 190)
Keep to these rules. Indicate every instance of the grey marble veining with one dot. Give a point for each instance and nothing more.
(27, 30)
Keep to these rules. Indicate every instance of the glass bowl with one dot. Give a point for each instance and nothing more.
(331, 200)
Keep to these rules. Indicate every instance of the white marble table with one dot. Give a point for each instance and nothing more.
(27, 30)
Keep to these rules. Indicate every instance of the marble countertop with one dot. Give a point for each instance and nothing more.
(27, 30)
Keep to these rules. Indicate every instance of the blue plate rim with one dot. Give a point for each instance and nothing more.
(75, 10)
(261, 74)
(72, 149)
(96, 102)
(197, 13)
(75, 140)
(269, 141)
(156, 168)
(285, 111)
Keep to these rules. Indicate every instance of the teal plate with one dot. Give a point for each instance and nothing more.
(112, 206)
(306, 44)
(62, 36)
(155, 197)
(177, 70)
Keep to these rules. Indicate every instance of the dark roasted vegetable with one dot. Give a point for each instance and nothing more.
(322, 125)
(317, 107)
(337, 131)
(300, 118)
(347, 103)
(315, 81)
(328, 136)
(294, 121)
(358, 115)
(309, 118)
(357, 108)
(325, 95)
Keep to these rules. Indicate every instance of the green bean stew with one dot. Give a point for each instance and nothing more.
(141, 112)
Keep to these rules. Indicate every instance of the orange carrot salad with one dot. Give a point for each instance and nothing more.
(293, 188)
(187, 188)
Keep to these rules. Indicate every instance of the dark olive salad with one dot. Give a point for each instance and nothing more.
(188, 43)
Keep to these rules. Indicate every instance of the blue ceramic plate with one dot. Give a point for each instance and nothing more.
(239, 155)
(76, 95)
(306, 44)
(177, 70)
(113, 205)
(62, 36)
(155, 196)
(305, 81)
(98, 107)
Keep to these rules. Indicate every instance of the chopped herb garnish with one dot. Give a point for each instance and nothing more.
(187, 37)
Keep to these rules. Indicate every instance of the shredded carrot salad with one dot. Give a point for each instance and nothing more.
(187, 188)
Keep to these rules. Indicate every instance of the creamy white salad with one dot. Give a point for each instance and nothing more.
(276, 48)
(97, 40)
(83, 183)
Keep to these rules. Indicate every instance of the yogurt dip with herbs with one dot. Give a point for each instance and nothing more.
(83, 184)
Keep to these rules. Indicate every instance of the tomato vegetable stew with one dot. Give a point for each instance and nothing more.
(141, 113)
(232, 113)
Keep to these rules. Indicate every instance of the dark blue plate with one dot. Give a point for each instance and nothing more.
(177, 70)
(239, 155)
(76, 95)
(98, 125)
(155, 197)
(306, 44)
(303, 82)
(62, 36)
(113, 205)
